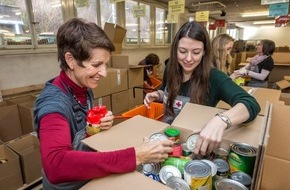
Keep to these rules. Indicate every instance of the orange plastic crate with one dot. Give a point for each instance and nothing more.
(156, 83)
(155, 111)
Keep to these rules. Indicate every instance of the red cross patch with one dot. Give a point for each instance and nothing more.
(178, 104)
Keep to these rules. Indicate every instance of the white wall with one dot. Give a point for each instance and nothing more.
(280, 35)
(28, 69)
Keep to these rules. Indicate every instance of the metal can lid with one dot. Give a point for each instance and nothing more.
(241, 177)
(222, 165)
(221, 151)
(222, 184)
(244, 149)
(151, 168)
(172, 132)
(168, 171)
(177, 183)
(197, 168)
(158, 137)
(191, 141)
(212, 165)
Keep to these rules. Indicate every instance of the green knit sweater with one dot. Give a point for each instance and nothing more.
(223, 88)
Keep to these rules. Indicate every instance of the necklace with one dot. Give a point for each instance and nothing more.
(79, 102)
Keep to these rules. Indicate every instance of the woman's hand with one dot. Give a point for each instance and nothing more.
(150, 97)
(107, 121)
(210, 136)
(153, 152)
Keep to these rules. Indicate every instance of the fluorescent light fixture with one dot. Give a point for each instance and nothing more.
(55, 5)
(264, 22)
(255, 14)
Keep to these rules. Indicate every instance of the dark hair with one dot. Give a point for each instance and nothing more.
(152, 59)
(268, 47)
(79, 37)
(199, 80)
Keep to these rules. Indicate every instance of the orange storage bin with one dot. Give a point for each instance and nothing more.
(156, 83)
(156, 111)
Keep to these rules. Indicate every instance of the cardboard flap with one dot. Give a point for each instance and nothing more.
(129, 181)
(115, 32)
(194, 117)
(287, 77)
(283, 84)
(126, 134)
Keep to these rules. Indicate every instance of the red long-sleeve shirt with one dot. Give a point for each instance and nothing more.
(63, 164)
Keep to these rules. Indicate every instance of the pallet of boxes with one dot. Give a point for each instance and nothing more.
(20, 165)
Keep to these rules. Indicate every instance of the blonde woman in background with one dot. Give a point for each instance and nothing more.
(222, 46)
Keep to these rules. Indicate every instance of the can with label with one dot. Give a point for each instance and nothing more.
(191, 141)
(177, 183)
(242, 158)
(151, 168)
(213, 170)
(158, 137)
(153, 176)
(178, 162)
(168, 171)
(198, 175)
(185, 151)
(223, 168)
(221, 153)
(173, 134)
(241, 177)
(223, 184)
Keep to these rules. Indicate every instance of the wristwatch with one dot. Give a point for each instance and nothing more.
(225, 119)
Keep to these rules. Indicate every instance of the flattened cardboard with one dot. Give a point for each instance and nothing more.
(129, 181)
(129, 133)
(10, 125)
(10, 172)
(27, 148)
(194, 117)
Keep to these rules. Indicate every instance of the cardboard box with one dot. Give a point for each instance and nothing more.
(116, 34)
(262, 95)
(10, 125)
(131, 132)
(284, 85)
(27, 148)
(285, 97)
(10, 172)
(276, 164)
(120, 101)
(106, 100)
(135, 72)
(136, 97)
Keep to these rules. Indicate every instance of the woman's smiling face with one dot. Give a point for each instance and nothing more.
(189, 54)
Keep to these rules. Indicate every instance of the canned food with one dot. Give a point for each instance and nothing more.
(241, 177)
(151, 168)
(177, 150)
(153, 176)
(185, 150)
(168, 171)
(198, 175)
(221, 153)
(191, 141)
(173, 134)
(242, 158)
(222, 184)
(213, 170)
(178, 162)
(177, 183)
(223, 168)
(158, 137)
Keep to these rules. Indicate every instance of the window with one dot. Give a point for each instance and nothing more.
(163, 30)
(108, 12)
(131, 24)
(87, 9)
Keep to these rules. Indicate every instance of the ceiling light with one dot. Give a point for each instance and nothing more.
(264, 22)
(255, 14)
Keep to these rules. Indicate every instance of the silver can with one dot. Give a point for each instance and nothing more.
(177, 183)
(223, 168)
(222, 184)
(151, 168)
(221, 153)
(191, 141)
(168, 171)
(158, 137)
(242, 177)
(197, 175)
